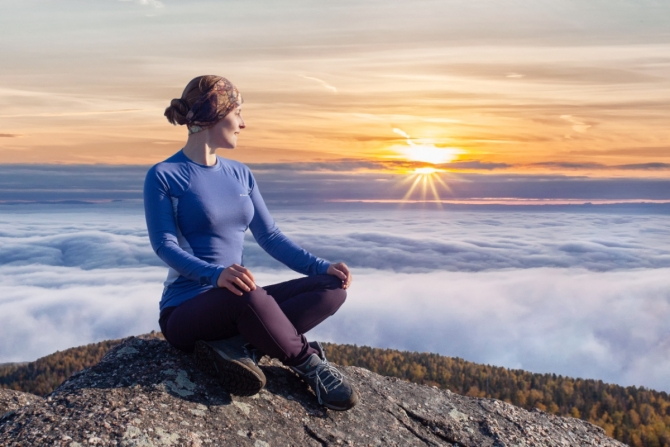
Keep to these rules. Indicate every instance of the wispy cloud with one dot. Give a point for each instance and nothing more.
(568, 165)
(9, 135)
(639, 151)
(62, 114)
(599, 166)
(475, 165)
(578, 125)
(403, 134)
(342, 165)
(153, 3)
(645, 167)
(326, 85)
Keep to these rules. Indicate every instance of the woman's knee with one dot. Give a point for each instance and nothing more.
(256, 298)
(335, 298)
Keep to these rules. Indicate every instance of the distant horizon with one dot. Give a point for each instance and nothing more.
(343, 182)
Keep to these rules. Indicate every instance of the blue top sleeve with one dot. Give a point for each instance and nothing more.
(277, 245)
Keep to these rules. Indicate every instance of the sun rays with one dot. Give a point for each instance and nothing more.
(423, 182)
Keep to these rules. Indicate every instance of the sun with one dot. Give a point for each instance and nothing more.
(425, 179)
(426, 152)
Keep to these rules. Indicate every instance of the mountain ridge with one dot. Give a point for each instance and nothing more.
(146, 393)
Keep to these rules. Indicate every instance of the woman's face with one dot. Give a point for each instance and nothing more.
(224, 133)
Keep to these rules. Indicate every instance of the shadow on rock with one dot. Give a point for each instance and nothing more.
(152, 365)
(283, 383)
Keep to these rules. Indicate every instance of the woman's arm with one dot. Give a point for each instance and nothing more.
(277, 245)
(163, 234)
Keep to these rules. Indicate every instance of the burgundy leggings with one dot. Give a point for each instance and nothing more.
(273, 318)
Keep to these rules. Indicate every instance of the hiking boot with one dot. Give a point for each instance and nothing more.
(230, 361)
(331, 388)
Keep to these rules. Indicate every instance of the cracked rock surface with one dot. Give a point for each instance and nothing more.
(145, 393)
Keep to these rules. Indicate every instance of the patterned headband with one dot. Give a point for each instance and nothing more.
(213, 106)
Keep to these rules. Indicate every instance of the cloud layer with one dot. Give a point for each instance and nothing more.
(46, 308)
(609, 326)
(416, 241)
(399, 240)
(580, 294)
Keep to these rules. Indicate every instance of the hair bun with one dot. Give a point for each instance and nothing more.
(177, 111)
(179, 107)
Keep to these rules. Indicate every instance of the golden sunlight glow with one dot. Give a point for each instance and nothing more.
(426, 152)
(425, 171)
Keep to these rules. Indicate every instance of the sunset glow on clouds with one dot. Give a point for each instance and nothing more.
(528, 86)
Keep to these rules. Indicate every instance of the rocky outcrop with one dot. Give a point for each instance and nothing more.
(145, 393)
(13, 400)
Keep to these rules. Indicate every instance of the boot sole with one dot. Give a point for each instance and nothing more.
(233, 376)
(347, 406)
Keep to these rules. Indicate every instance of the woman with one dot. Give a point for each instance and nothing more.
(198, 207)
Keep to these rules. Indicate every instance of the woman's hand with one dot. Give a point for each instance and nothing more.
(341, 270)
(236, 279)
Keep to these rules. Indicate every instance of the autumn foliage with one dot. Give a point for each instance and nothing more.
(634, 415)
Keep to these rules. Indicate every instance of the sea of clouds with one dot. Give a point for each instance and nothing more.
(578, 294)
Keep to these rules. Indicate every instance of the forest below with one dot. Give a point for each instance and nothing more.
(634, 415)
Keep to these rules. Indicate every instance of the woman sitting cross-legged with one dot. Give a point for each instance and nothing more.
(198, 206)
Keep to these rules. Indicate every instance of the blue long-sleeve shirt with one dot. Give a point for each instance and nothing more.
(197, 216)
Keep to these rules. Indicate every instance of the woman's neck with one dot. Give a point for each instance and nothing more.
(198, 150)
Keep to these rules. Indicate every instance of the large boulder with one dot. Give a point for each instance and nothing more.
(145, 393)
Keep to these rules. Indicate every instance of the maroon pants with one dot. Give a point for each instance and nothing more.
(272, 318)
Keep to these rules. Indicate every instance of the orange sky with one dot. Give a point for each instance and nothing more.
(528, 86)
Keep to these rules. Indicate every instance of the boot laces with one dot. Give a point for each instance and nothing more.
(326, 377)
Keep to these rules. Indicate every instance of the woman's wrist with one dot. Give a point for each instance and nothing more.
(215, 277)
(323, 266)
